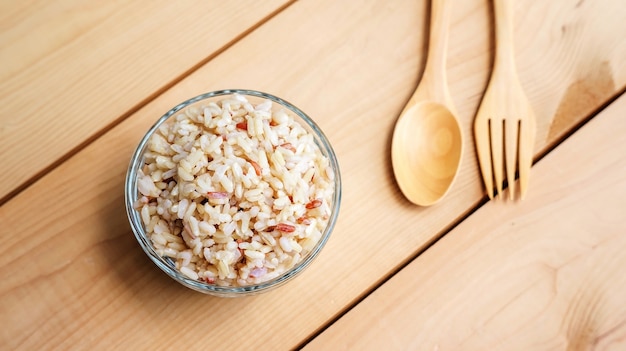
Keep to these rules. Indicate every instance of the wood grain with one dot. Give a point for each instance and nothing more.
(72, 68)
(74, 276)
(546, 274)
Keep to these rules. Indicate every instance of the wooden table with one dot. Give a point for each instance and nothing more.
(80, 83)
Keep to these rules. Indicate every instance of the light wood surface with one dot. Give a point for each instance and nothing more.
(71, 69)
(72, 274)
(546, 274)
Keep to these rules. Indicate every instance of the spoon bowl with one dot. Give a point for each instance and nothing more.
(426, 152)
(427, 141)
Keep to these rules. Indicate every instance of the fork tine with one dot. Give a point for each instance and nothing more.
(481, 136)
(526, 144)
(510, 149)
(496, 152)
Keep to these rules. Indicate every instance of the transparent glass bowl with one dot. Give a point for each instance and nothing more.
(167, 264)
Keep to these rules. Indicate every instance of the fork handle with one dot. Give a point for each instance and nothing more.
(505, 52)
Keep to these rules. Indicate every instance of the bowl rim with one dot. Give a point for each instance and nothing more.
(165, 264)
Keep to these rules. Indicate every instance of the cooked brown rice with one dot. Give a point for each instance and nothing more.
(236, 194)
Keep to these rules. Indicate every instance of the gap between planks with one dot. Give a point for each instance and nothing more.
(480, 203)
(24, 185)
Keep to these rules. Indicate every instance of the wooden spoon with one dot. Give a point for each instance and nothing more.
(427, 142)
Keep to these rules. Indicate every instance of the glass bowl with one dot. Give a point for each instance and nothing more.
(167, 264)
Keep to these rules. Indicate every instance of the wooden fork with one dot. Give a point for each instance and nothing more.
(505, 126)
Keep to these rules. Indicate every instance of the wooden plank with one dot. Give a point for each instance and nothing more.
(546, 274)
(82, 278)
(71, 68)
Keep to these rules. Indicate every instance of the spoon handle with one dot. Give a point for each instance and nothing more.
(433, 85)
